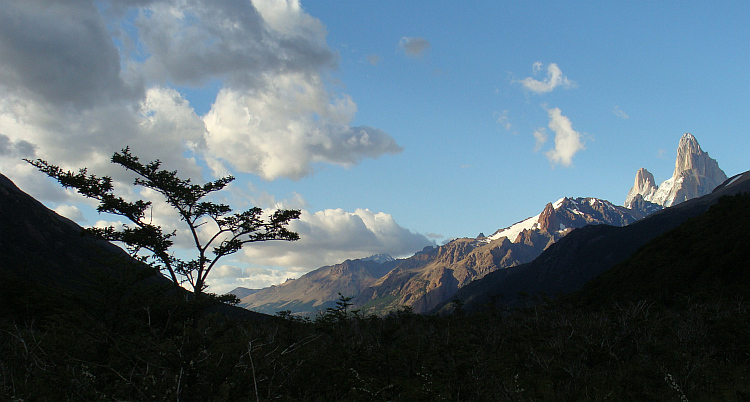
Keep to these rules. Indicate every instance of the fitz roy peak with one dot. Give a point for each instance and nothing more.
(695, 174)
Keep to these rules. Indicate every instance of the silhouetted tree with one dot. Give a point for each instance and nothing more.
(234, 229)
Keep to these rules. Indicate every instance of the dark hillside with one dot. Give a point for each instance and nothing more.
(40, 246)
(45, 255)
(708, 255)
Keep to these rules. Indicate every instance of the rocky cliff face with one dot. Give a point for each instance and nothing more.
(695, 174)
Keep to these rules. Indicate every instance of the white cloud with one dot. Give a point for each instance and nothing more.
(620, 113)
(288, 128)
(102, 224)
(70, 211)
(334, 235)
(567, 141)
(225, 271)
(414, 46)
(554, 79)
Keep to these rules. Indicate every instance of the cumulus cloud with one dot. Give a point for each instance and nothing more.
(334, 235)
(555, 78)
(414, 46)
(567, 141)
(238, 41)
(285, 131)
(59, 52)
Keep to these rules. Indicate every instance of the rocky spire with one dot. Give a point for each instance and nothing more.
(695, 174)
(547, 219)
(644, 185)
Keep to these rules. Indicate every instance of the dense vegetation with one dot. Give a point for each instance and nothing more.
(125, 341)
(137, 346)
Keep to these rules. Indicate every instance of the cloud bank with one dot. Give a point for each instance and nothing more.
(284, 132)
(555, 78)
(334, 235)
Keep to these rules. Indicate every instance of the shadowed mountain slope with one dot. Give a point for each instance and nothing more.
(45, 253)
(709, 253)
(38, 245)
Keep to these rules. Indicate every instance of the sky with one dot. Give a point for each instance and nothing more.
(392, 125)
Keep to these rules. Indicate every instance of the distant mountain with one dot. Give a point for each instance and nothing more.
(320, 288)
(695, 174)
(379, 284)
(587, 252)
(241, 292)
(429, 279)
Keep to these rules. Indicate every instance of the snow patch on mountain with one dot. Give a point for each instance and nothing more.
(514, 230)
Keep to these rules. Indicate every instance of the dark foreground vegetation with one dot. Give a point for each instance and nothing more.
(671, 323)
(136, 346)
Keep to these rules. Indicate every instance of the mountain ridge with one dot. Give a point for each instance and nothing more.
(434, 274)
(586, 253)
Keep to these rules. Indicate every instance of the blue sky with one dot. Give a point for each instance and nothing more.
(391, 124)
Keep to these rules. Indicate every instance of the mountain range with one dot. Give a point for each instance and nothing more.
(435, 275)
(571, 241)
(587, 253)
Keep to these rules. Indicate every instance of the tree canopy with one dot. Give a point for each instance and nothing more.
(233, 229)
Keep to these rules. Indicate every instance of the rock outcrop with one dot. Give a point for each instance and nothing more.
(695, 174)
